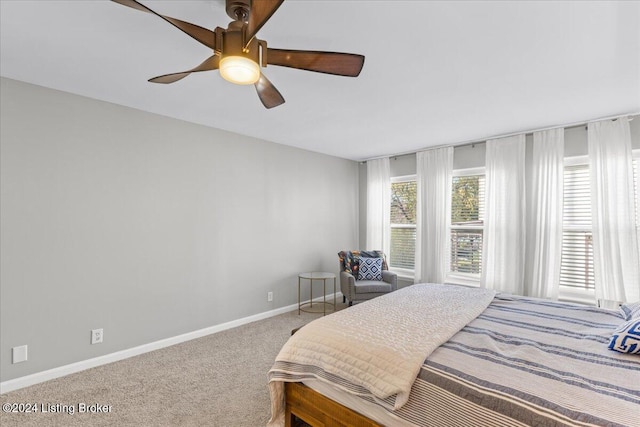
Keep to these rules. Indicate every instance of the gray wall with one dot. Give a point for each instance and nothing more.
(150, 227)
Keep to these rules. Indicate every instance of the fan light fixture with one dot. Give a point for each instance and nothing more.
(240, 55)
(239, 70)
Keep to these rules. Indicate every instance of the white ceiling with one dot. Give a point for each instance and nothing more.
(435, 72)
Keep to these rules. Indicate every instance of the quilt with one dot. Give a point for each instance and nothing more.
(376, 349)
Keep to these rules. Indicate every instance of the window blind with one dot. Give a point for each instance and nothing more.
(466, 251)
(576, 269)
(403, 247)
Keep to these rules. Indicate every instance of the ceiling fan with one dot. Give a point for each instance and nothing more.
(239, 55)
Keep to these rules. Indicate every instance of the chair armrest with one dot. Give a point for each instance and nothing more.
(348, 285)
(391, 278)
(347, 278)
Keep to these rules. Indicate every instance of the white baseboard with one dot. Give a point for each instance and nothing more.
(72, 368)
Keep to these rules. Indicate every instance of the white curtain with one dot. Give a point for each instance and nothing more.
(503, 245)
(434, 175)
(378, 205)
(544, 230)
(615, 242)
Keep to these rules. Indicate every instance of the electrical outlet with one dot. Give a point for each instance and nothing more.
(19, 354)
(269, 296)
(96, 336)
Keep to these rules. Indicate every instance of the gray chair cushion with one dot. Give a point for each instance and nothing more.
(367, 286)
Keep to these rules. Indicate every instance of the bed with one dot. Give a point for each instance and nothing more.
(443, 355)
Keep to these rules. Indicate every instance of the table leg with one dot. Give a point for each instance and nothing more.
(324, 297)
(334, 294)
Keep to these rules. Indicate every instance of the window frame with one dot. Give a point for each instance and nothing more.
(568, 293)
(402, 272)
(468, 279)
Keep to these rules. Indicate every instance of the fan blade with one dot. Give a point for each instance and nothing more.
(208, 64)
(341, 64)
(204, 36)
(268, 93)
(261, 11)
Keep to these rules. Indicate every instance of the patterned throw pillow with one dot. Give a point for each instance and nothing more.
(626, 339)
(370, 269)
(630, 311)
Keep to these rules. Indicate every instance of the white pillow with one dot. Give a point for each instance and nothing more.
(630, 310)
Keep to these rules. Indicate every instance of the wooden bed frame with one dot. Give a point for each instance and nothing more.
(305, 406)
(317, 410)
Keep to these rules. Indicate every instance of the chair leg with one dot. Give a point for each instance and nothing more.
(350, 303)
(344, 299)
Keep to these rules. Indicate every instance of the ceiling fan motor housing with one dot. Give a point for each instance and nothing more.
(233, 43)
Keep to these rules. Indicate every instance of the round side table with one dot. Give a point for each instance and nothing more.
(311, 277)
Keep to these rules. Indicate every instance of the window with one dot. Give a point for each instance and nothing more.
(403, 223)
(576, 268)
(467, 222)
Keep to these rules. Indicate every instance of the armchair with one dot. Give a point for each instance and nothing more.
(356, 284)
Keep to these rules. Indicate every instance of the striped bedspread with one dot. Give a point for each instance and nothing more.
(524, 361)
(530, 361)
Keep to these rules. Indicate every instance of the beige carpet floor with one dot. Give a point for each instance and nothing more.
(217, 380)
